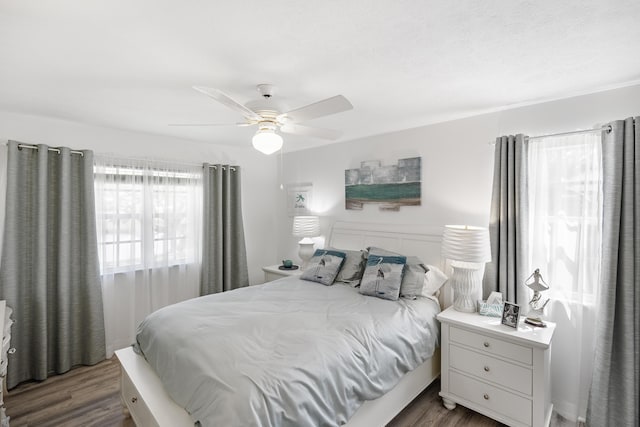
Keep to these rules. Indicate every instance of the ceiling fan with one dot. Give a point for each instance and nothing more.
(271, 116)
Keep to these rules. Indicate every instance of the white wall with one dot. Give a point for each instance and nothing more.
(457, 161)
(259, 172)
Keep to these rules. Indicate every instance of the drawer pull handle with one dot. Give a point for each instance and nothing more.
(486, 396)
(486, 369)
(11, 350)
(486, 344)
(135, 399)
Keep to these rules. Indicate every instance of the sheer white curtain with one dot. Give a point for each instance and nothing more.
(149, 219)
(565, 228)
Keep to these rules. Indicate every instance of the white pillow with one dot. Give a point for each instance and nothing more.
(433, 281)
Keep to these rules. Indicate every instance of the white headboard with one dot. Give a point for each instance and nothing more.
(411, 240)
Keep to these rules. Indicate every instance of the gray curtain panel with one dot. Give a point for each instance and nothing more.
(49, 272)
(614, 399)
(507, 225)
(224, 256)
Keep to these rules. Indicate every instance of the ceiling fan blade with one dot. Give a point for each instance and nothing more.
(211, 124)
(296, 129)
(225, 99)
(336, 104)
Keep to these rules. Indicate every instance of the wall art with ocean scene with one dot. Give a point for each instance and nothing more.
(389, 186)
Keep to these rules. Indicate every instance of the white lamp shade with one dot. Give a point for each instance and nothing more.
(267, 141)
(466, 243)
(306, 226)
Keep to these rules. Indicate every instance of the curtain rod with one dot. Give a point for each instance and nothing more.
(606, 128)
(223, 168)
(55, 150)
(167, 162)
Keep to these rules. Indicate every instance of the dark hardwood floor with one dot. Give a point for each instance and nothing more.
(90, 396)
(426, 410)
(84, 396)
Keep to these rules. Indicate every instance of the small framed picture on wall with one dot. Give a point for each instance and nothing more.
(299, 199)
(511, 315)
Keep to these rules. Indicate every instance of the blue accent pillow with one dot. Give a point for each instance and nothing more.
(324, 266)
(383, 276)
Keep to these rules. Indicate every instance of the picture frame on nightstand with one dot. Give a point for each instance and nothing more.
(511, 315)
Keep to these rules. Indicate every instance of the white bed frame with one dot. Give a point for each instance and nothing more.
(149, 405)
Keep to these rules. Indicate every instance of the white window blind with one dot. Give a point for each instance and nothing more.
(147, 216)
(565, 225)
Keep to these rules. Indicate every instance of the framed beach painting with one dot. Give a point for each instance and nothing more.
(389, 186)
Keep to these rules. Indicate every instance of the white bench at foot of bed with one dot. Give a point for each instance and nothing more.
(150, 405)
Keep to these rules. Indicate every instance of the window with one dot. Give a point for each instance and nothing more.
(148, 215)
(565, 197)
(565, 217)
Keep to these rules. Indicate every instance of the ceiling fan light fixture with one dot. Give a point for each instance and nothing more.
(267, 141)
(271, 115)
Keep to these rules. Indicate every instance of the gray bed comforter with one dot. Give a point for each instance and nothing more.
(286, 353)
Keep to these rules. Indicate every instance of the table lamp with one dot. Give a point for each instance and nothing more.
(306, 227)
(467, 248)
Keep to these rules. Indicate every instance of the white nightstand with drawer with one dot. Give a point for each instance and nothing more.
(273, 272)
(496, 370)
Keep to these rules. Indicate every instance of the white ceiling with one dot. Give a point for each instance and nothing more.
(130, 64)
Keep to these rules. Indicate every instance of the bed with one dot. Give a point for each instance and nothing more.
(147, 396)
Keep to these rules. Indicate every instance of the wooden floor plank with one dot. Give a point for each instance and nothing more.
(90, 397)
(84, 396)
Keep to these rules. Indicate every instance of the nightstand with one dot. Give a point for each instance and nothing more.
(496, 370)
(272, 272)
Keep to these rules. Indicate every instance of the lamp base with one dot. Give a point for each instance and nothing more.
(464, 282)
(305, 251)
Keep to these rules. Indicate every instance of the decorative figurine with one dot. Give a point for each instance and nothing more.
(536, 283)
